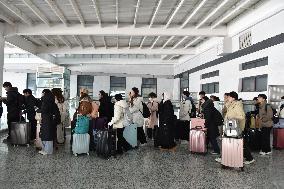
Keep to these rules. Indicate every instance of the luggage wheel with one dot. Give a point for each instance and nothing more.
(75, 154)
(28, 145)
(224, 167)
(88, 154)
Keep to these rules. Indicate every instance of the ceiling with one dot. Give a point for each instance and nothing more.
(166, 29)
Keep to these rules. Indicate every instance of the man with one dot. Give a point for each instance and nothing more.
(265, 123)
(202, 94)
(29, 109)
(256, 104)
(13, 104)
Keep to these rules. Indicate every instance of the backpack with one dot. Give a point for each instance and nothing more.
(275, 117)
(85, 108)
(20, 100)
(56, 115)
(82, 124)
(232, 129)
(193, 109)
(146, 112)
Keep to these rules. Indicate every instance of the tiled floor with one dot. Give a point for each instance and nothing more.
(22, 167)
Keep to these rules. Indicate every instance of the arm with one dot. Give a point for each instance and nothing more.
(268, 116)
(118, 111)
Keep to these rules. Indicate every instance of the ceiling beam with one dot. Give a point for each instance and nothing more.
(54, 43)
(192, 42)
(92, 41)
(110, 50)
(154, 43)
(65, 41)
(230, 13)
(57, 11)
(76, 9)
(96, 6)
(130, 40)
(155, 12)
(36, 11)
(196, 9)
(174, 13)
(116, 12)
(212, 13)
(17, 12)
(78, 41)
(136, 12)
(180, 42)
(77, 29)
(36, 41)
(117, 42)
(7, 19)
(104, 40)
(167, 42)
(142, 41)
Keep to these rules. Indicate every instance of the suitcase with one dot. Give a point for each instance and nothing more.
(278, 138)
(38, 143)
(182, 130)
(130, 134)
(232, 153)
(60, 133)
(106, 143)
(165, 137)
(81, 144)
(100, 123)
(280, 124)
(253, 138)
(197, 140)
(20, 133)
(194, 122)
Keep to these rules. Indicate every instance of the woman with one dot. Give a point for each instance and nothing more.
(136, 109)
(153, 120)
(211, 123)
(166, 123)
(216, 102)
(106, 107)
(117, 122)
(65, 118)
(184, 117)
(48, 126)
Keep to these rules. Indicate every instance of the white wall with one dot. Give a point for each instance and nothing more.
(101, 83)
(133, 82)
(164, 85)
(18, 80)
(73, 86)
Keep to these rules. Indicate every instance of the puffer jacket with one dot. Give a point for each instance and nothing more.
(185, 110)
(153, 107)
(118, 117)
(64, 112)
(235, 110)
(265, 115)
(281, 112)
(136, 110)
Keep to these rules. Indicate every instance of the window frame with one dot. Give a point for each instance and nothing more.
(254, 83)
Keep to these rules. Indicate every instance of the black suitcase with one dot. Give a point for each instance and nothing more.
(106, 143)
(165, 137)
(253, 138)
(182, 130)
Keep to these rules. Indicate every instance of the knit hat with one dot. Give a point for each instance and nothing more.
(84, 91)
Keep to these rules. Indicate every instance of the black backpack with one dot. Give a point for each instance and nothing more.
(193, 109)
(56, 115)
(275, 117)
(20, 101)
(146, 112)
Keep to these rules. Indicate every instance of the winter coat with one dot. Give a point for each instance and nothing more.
(166, 113)
(29, 108)
(153, 107)
(106, 108)
(118, 117)
(235, 110)
(210, 117)
(136, 110)
(13, 107)
(281, 112)
(185, 110)
(48, 127)
(265, 115)
(64, 112)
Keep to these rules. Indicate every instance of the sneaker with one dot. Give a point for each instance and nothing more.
(249, 162)
(42, 152)
(144, 144)
(268, 153)
(262, 153)
(215, 153)
(218, 160)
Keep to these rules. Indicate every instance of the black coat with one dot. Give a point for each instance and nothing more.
(106, 108)
(29, 108)
(48, 126)
(13, 106)
(166, 113)
(212, 119)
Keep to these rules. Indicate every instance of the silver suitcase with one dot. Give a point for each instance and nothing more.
(81, 144)
(20, 133)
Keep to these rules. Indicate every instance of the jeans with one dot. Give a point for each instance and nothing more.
(215, 145)
(47, 146)
(265, 139)
(247, 153)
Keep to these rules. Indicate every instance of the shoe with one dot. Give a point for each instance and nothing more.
(268, 153)
(249, 162)
(215, 153)
(42, 152)
(144, 144)
(218, 160)
(262, 153)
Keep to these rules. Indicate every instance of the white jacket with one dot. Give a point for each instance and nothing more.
(64, 113)
(281, 113)
(185, 110)
(137, 110)
(118, 116)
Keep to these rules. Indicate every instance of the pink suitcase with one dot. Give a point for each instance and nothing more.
(197, 141)
(232, 153)
(278, 138)
(194, 122)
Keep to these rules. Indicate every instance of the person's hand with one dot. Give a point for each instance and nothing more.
(110, 124)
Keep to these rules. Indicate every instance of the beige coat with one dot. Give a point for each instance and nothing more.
(118, 116)
(235, 110)
(153, 107)
(185, 110)
(265, 116)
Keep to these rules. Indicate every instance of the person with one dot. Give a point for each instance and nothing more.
(281, 108)
(84, 96)
(106, 108)
(117, 122)
(226, 103)
(256, 106)
(65, 118)
(29, 108)
(212, 121)
(201, 95)
(166, 122)
(136, 109)
(235, 110)
(153, 106)
(184, 117)
(265, 122)
(14, 102)
(48, 125)
(216, 102)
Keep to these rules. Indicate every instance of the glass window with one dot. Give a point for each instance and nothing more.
(248, 84)
(85, 81)
(117, 86)
(210, 74)
(184, 83)
(256, 63)
(148, 85)
(261, 83)
(31, 82)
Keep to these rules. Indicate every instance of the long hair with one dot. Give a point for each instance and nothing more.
(58, 95)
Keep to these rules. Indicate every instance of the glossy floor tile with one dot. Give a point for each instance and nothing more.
(145, 168)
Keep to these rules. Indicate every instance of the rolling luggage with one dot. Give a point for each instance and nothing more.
(278, 138)
(197, 140)
(253, 138)
(280, 124)
(182, 130)
(106, 143)
(81, 144)
(165, 137)
(232, 153)
(20, 133)
(195, 122)
(130, 134)
(232, 129)
(100, 123)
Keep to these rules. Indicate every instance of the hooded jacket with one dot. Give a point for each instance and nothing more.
(118, 117)
(235, 110)
(13, 106)
(265, 115)
(136, 110)
(29, 108)
(211, 118)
